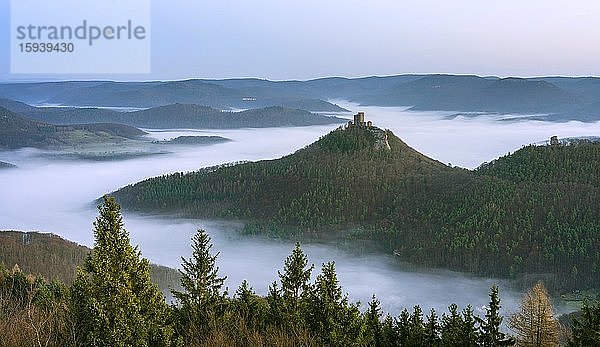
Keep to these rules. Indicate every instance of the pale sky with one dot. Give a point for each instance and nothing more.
(289, 39)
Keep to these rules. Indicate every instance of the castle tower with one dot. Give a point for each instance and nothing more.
(359, 119)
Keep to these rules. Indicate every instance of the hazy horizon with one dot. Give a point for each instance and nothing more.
(271, 40)
(99, 79)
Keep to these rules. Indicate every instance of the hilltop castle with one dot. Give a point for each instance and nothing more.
(359, 121)
(381, 137)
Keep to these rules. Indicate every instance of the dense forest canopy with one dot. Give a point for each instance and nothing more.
(534, 212)
(111, 301)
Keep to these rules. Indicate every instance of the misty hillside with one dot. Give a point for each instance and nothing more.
(532, 212)
(17, 131)
(216, 94)
(174, 116)
(476, 94)
(567, 98)
(194, 116)
(194, 140)
(53, 257)
(4, 165)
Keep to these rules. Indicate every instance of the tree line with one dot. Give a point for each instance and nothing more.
(112, 302)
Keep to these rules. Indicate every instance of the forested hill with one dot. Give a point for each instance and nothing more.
(532, 212)
(17, 131)
(175, 116)
(55, 258)
(345, 178)
(194, 116)
(4, 165)
(575, 161)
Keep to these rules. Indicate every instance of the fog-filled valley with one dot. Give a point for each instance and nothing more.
(58, 196)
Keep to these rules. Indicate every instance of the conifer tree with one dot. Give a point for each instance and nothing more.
(469, 334)
(586, 329)
(416, 327)
(535, 324)
(432, 329)
(388, 334)
(247, 305)
(329, 316)
(203, 301)
(294, 282)
(373, 322)
(275, 313)
(490, 328)
(114, 301)
(452, 326)
(402, 327)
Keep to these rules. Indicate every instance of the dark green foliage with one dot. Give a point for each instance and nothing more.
(586, 328)
(532, 212)
(574, 163)
(457, 329)
(432, 330)
(490, 334)
(202, 303)
(114, 300)
(330, 316)
(249, 306)
(325, 184)
(373, 324)
(469, 335)
(295, 284)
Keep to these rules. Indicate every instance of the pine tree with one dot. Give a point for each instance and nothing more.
(203, 301)
(247, 305)
(490, 334)
(432, 329)
(452, 327)
(388, 334)
(373, 322)
(469, 334)
(275, 313)
(535, 324)
(416, 327)
(114, 302)
(329, 315)
(294, 281)
(402, 327)
(586, 329)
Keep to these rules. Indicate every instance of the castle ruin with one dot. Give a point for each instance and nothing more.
(359, 121)
(381, 138)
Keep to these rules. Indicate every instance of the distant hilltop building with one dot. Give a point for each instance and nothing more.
(359, 121)
(381, 137)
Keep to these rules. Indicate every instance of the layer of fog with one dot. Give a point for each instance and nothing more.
(467, 141)
(55, 196)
